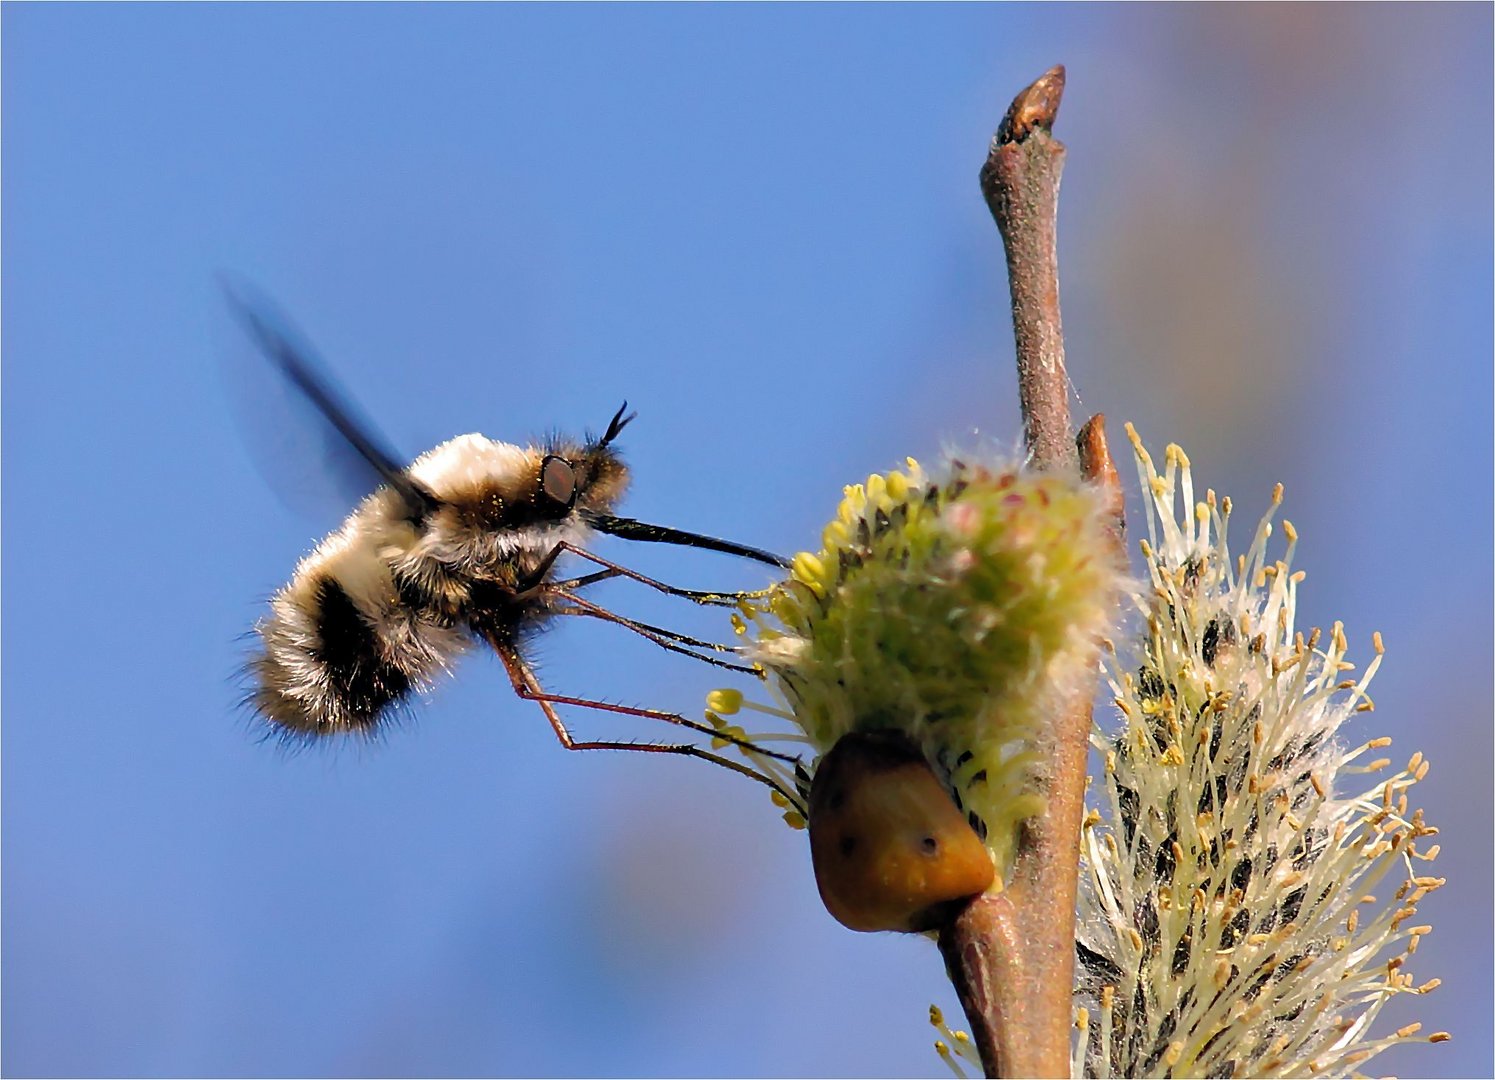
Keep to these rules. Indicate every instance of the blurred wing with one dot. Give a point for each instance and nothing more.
(310, 443)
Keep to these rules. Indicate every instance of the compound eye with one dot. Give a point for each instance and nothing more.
(558, 480)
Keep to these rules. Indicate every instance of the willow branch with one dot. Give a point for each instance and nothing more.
(1020, 181)
(1011, 955)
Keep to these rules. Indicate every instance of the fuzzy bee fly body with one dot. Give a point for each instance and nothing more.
(459, 547)
(393, 597)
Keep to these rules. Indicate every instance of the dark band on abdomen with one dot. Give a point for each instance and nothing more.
(363, 682)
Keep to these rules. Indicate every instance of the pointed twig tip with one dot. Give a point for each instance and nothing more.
(1034, 109)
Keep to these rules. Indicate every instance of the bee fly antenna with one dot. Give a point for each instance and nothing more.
(617, 424)
(629, 529)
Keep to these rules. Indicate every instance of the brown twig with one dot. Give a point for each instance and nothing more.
(1011, 955)
(1020, 181)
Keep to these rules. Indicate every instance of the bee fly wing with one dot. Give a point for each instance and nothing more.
(309, 442)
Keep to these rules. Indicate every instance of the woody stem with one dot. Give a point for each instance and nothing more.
(1011, 954)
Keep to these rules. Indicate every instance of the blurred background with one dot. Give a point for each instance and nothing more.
(761, 226)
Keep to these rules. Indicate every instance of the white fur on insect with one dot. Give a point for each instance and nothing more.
(386, 603)
(457, 548)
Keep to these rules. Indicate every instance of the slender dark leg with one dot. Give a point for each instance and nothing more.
(527, 686)
(716, 599)
(583, 581)
(665, 639)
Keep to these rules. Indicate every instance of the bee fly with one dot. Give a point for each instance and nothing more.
(461, 546)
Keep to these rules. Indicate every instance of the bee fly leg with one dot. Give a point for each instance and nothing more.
(634, 624)
(582, 582)
(717, 599)
(527, 686)
(665, 639)
(536, 577)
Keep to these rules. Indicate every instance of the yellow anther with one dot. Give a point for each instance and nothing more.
(810, 572)
(724, 702)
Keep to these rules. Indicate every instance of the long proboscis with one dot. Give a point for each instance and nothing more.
(629, 529)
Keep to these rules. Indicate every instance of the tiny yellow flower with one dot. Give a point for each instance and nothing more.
(956, 611)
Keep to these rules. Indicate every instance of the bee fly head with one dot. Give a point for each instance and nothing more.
(590, 478)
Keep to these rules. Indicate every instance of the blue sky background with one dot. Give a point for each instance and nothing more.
(761, 226)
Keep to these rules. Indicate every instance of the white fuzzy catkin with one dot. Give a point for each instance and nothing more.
(1227, 921)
